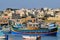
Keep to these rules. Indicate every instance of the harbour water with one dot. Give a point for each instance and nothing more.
(42, 38)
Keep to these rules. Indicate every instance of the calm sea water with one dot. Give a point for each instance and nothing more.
(42, 38)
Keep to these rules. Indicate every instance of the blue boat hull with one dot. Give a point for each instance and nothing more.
(52, 32)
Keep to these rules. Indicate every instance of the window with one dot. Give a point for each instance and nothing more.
(36, 25)
(18, 20)
(29, 20)
(5, 15)
(39, 18)
(16, 16)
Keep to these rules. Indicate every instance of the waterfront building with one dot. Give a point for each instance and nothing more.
(30, 19)
(40, 14)
(4, 21)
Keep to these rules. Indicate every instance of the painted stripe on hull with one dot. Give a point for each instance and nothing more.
(41, 34)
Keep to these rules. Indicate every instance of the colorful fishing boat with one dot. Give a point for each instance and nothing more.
(35, 29)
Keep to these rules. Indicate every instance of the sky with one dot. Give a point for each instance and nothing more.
(29, 4)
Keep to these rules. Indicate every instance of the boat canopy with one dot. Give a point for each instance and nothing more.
(19, 25)
(51, 25)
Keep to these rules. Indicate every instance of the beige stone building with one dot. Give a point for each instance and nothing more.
(21, 12)
(40, 14)
(51, 12)
(30, 19)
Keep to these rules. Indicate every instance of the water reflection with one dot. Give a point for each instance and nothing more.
(49, 38)
(19, 37)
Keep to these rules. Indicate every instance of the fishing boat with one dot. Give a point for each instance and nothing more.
(6, 29)
(35, 29)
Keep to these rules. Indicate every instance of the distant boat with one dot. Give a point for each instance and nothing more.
(31, 37)
(6, 29)
(2, 35)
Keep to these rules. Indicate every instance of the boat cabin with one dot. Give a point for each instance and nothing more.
(32, 26)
